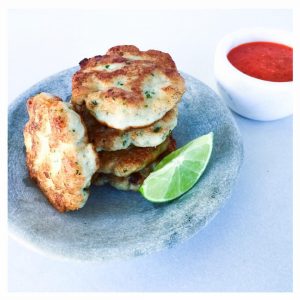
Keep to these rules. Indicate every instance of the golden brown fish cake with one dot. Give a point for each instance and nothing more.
(134, 180)
(109, 139)
(122, 163)
(128, 88)
(59, 157)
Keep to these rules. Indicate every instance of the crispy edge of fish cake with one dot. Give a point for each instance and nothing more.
(122, 163)
(109, 139)
(134, 180)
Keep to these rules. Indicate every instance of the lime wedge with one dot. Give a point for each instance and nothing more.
(178, 171)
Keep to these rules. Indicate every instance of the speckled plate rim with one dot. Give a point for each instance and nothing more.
(15, 234)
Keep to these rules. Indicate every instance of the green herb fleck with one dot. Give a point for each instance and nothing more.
(148, 95)
(157, 129)
(94, 102)
(73, 130)
(120, 83)
(107, 66)
(124, 170)
(124, 143)
(146, 105)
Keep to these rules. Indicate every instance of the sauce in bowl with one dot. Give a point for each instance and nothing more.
(263, 60)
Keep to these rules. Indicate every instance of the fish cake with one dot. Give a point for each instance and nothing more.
(134, 180)
(59, 157)
(109, 139)
(122, 163)
(127, 88)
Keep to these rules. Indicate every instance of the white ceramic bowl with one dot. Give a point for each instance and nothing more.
(248, 96)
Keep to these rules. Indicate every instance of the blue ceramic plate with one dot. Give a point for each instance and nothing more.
(115, 224)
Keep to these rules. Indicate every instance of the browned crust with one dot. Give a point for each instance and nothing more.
(66, 194)
(99, 135)
(122, 163)
(135, 71)
(102, 136)
(136, 179)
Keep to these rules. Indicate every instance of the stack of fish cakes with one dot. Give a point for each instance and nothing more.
(128, 100)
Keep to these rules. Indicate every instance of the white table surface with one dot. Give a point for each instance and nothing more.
(248, 246)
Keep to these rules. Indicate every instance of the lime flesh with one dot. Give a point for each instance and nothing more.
(178, 171)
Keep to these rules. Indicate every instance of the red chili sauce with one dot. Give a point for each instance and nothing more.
(263, 60)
